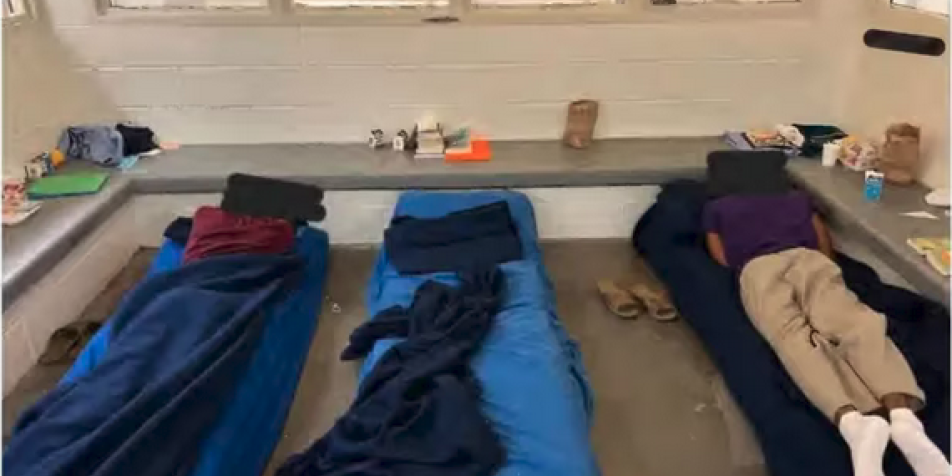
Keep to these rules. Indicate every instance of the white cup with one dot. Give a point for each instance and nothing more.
(831, 152)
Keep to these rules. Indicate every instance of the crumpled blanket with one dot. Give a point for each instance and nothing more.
(418, 412)
(180, 341)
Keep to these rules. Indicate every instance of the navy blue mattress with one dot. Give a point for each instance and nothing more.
(534, 387)
(251, 422)
(796, 439)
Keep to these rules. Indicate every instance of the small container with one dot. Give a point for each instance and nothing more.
(831, 154)
(873, 190)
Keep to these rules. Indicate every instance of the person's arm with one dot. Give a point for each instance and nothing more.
(824, 242)
(716, 248)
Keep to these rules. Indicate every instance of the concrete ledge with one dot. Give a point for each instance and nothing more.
(201, 169)
(31, 249)
(881, 224)
(36, 246)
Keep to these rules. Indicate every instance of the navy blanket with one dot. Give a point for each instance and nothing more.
(796, 439)
(418, 411)
(180, 341)
(471, 239)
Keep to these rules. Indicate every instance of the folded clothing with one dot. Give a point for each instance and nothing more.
(100, 144)
(217, 232)
(815, 135)
(418, 411)
(470, 239)
(136, 139)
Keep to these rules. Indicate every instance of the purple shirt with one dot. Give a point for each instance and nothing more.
(756, 225)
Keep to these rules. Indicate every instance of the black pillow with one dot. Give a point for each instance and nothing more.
(268, 197)
(747, 172)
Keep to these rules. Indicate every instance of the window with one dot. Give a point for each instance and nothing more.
(940, 7)
(286, 5)
(694, 2)
(194, 4)
(12, 8)
(525, 3)
(372, 3)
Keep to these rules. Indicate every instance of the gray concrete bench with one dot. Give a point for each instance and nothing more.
(31, 249)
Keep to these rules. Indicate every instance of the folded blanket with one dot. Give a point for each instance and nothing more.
(471, 239)
(178, 344)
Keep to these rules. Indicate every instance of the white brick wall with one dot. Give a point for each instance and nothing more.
(245, 84)
(287, 83)
(42, 93)
(893, 87)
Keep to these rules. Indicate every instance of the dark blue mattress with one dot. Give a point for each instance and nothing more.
(251, 422)
(534, 386)
(796, 439)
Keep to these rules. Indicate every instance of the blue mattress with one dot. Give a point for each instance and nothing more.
(534, 386)
(251, 422)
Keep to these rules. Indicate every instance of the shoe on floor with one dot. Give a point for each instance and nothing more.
(618, 301)
(656, 302)
(67, 342)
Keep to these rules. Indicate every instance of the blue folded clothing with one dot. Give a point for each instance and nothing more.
(466, 240)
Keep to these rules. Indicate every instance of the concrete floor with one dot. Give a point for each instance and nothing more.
(659, 410)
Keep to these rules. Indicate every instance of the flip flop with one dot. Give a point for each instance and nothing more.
(655, 301)
(617, 300)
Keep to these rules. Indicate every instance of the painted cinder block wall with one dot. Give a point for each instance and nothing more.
(694, 71)
(282, 83)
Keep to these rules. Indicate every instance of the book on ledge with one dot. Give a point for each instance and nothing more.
(475, 150)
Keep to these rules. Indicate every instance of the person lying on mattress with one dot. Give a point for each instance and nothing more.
(833, 346)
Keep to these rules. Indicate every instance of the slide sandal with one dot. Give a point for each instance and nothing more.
(657, 302)
(617, 300)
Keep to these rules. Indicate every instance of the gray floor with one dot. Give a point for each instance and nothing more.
(657, 412)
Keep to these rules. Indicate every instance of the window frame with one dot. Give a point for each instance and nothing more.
(913, 8)
(26, 14)
(286, 12)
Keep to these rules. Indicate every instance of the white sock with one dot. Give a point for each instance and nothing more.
(867, 437)
(922, 454)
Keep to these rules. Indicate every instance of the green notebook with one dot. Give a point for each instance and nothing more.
(66, 185)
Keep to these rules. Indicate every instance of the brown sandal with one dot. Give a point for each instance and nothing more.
(617, 300)
(655, 301)
(67, 342)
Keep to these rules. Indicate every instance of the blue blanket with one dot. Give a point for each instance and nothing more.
(534, 386)
(249, 422)
(796, 439)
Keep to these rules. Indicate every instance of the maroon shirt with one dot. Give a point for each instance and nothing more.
(756, 225)
(217, 232)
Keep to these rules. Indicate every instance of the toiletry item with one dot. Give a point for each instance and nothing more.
(873, 190)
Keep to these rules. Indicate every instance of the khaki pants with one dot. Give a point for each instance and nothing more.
(834, 347)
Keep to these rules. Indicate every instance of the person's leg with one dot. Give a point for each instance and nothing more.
(910, 436)
(859, 333)
(772, 305)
